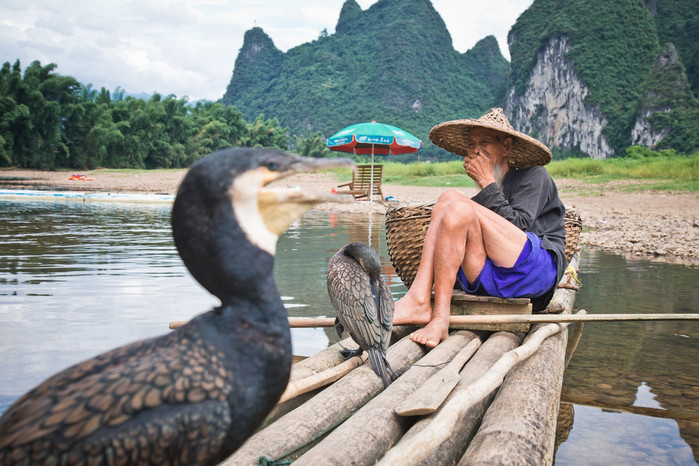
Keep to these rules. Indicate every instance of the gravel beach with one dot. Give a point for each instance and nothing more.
(660, 226)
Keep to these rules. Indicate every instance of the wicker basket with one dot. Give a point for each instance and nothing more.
(573, 228)
(406, 226)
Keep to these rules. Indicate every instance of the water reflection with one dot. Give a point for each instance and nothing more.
(635, 368)
(301, 262)
(79, 279)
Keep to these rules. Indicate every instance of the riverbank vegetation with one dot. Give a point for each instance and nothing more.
(642, 168)
(49, 121)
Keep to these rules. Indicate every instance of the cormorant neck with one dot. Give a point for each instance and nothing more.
(216, 251)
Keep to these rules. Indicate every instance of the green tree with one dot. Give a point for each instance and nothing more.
(49, 121)
(266, 133)
(312, 145)
(36, 104)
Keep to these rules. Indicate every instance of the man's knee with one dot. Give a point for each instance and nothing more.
(449, 196)
(445, 202)
(459, 215)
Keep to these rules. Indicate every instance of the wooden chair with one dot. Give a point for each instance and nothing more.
(360, 185)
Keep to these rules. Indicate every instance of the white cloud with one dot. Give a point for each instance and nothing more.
(469, 21)
(188, 47)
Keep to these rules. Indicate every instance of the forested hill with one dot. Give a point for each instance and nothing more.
(590, 77)
(393, 62)
(593, 77)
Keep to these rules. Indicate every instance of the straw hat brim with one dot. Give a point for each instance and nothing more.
(454, 136)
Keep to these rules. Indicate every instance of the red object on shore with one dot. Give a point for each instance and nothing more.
(79, 178)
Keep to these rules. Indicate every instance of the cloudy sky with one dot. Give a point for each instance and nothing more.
(188, 47)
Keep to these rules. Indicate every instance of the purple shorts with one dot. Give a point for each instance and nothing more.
(533, 274)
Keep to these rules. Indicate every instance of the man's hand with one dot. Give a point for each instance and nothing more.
(480, 169)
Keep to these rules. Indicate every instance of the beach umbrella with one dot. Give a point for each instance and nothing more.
(375, 139)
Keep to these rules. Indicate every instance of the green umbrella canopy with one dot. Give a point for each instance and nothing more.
(374, 138)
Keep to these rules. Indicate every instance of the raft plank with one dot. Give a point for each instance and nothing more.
(529, 435)
(488, 354)
(521, 421)
(323, 360)
(300, 428)
(366, 436)
(319, 362)
(432, 393)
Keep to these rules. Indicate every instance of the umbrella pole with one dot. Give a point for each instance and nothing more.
(371, 178)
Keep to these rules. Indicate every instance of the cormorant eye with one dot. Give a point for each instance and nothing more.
(273, 166)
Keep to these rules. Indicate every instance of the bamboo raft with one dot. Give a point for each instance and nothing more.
(503, 409)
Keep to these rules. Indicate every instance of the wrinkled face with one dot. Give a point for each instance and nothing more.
(493, 144)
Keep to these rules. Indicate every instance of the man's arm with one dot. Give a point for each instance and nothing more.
(527, 190)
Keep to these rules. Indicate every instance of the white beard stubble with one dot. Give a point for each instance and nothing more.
(498, 174)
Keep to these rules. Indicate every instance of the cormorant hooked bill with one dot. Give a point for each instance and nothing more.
(363, 303)
(194, 395)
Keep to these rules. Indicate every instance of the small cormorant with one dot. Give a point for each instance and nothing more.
(363, 303)
(194, 395)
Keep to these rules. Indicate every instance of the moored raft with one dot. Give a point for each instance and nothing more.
(509, 415)
(84, 196)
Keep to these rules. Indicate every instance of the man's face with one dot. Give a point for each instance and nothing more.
(490, 143)
(487, 155)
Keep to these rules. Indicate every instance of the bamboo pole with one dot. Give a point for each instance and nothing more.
(566, 318)
(456, 321)
(321, 379)
(323, 360)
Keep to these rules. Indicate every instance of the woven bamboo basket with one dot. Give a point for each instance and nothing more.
(406, 226)
(573, 228)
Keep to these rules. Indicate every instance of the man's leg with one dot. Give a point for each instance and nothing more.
(461, 233)
(457, 230)
(415, 306)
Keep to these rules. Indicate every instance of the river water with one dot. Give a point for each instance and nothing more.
(78, 279)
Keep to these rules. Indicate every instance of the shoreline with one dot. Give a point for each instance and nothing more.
(641, 225)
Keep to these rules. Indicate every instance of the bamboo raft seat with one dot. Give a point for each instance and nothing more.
(464, 304)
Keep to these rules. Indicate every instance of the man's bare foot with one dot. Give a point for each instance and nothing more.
(410, 311)
(433, 333)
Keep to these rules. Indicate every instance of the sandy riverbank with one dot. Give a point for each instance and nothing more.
(651, 225)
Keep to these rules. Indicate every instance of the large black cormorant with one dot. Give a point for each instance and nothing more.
(194, 395)
(363, 303)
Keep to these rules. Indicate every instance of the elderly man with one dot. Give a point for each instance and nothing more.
(507, 241)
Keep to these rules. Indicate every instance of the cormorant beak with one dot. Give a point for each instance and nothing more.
(280, 207)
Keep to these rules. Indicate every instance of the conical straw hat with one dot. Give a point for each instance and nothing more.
(526, 151)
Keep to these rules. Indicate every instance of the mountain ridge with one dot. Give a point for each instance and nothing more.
(391, 72)
(395, 62)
